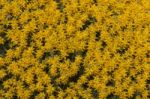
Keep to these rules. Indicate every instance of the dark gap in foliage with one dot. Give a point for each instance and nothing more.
(111, 55)
(91, 77)
(85, 85)
(34, 94)
(110, 73)
(60, 5)
(133, 27)
(3, 34)
(110, 7)
(1, 84)
(15, 96)
(97, 36)
(86, 46)
(35, 79)
(134, 96)
(29, 1)
(148, 84)
(4, 47)
(95, 2)
(50, 54)
(133, 56)
(71, 57)
(25, 69)
(7, 27)
(82, 53)
(45, 26)
(112, 96)
(148, 54)
(128, 73)
(57, 1)
(42, 7)
(8, 76)
(29, 39)
(61, 60)
(76, 77)
(31, 10)
(139, 73)
(114, 14)
(65, 19)
(95, 93)
(34, 51)
(43, 41)
(15, 59)
(53, 78)
(123, 28)
(133, 79)
(28, 20)
(17, 77)
(122, 50)
(22, 8)
(128, 2)
(46, 55)
(46, 69)
(111, 83)
(148, 81)
(80, 97)
(20, 26)
(9, 16)
(142, 28)
(55, 93)
(53, 82)
(36, 30)
(65, 96)
(2, 50)
(87, 23)
(56, 52)
(25, 85)
(1, 6)
(117, 65)
(103, 20)
(63, 86)
(114, 34)
(109, 28)
(104, 44)
(46, 94)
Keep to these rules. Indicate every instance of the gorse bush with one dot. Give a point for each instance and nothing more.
(74, 49)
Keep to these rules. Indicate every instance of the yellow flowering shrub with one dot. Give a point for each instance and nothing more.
(74, 49)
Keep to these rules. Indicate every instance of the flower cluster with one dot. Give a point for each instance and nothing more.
(74, 49)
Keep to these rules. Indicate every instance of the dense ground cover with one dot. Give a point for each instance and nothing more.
(80, 49)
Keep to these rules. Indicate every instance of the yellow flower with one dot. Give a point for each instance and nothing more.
(2, 73)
